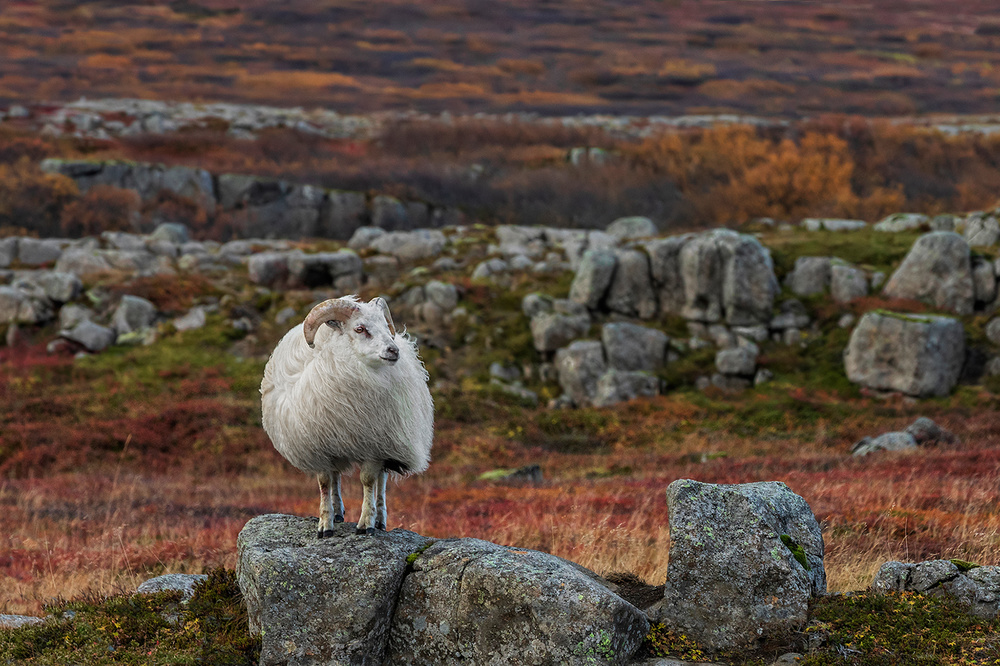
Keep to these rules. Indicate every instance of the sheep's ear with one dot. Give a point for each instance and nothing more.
(335, 309)
(379, 301)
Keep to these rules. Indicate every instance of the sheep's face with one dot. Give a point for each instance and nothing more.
(370, 338)
(367, 328)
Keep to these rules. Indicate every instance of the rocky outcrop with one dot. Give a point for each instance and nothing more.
(744, 561)
(261, 207)
(919, 355)
(975, 587)
(401, 598)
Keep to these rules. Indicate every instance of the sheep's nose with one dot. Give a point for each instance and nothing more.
(391, 354)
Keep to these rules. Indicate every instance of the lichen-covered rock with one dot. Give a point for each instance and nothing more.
(92, 337)
(593, 277)
(982, 230)
(976, 587)
(580, 366)
(937, 271)
(701, 275)
(744, 561)
(321, 601)
(634, 347)
(739, 361)
(920, 355)
(471, 601)
(410, 245)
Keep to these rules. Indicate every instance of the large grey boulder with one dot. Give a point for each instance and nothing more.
(593, 277)
(58, 287)
(976, 587)
(937, 271)
(631, 290)
(665, 269)
(633, 347)
(740, 360)
(810, 276)
(920, 355)
(744, 561)
(471, 601)
(83, 262)
(580, 366)
(362, 237)
(727, 276)
(321, 601)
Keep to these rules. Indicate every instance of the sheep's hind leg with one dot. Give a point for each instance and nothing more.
(338, 500)
(369, 481)
(381, 514)
(325, 504)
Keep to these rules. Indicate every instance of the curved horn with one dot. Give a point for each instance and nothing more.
(378, 300)
(335, 309)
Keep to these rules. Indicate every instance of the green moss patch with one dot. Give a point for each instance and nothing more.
(797, 552)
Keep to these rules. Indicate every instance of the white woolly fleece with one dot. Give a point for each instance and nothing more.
(340, 404)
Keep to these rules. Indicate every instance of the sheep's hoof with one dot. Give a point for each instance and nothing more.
(380, 526)
(338, 519)
(323, 534)
(364, 530)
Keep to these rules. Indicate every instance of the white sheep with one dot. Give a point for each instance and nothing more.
(344, 389)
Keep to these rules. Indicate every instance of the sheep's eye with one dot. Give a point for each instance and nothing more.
(360, 329)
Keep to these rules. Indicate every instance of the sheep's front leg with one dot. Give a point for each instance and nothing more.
(338, 500)
(381, 514)
(369, 481)
(326, 504)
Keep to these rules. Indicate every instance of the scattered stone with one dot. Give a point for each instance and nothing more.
(739, 361)
(846, 320)
(363, 237)
(17, 621)
(890, 441)
(410, 246)
(535, 304)
(92, 337)
(847, 282)
(903, 222)
(490, 268)
(629, 228)
(516, 390)
(617, 386)
(763, 376)
(737, 548)
(173, 232)
(810, 276)
(580, 366)
(39, 251)
(984, 282)
(443, 294)
(937, 271)
(833, 224)
(919, 355)
(993, 331)
(505, 373)
(630, 347)
(553, 330)
(184, 583)
(133, 314)
(193, 320)
(926, 432)
(593, 277)
(982, 231)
